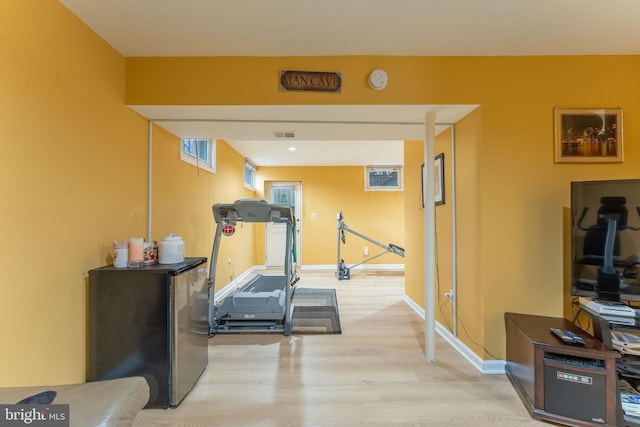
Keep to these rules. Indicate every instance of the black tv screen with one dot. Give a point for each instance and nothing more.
(605, 239)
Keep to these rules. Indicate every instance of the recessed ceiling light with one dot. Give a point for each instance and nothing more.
(292, 148)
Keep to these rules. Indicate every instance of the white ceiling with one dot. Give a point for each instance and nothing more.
(336, 134)
(363, 27)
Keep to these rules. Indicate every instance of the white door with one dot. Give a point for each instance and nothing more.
(283, 193)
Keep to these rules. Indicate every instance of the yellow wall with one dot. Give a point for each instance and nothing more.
(469, 296)
(73, 177)
(182, 199)
(470, 290)
(511, 193)
(414, 218)
(328, 190)
(74, 170)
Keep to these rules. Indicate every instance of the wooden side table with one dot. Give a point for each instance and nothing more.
(571, 384)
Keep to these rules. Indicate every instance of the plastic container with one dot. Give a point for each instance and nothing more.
(120, 254)
(171, 249)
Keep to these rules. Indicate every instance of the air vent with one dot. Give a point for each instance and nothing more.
(282, 134)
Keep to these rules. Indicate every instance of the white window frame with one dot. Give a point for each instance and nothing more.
(210, 165)
(369, 187)
(250, 166)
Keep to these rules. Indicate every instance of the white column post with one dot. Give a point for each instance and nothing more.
(429, 240)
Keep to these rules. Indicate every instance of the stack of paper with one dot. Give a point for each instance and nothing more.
(630, 398)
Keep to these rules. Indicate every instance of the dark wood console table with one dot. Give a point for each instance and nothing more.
(570, 384)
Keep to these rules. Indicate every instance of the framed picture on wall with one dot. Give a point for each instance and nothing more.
(438, 181)
(588, 135)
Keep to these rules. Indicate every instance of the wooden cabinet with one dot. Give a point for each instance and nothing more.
(569, 384)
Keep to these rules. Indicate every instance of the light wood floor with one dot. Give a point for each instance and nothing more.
(373, 374)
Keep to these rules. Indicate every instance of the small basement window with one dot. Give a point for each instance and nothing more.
(200, 153)
(383, 178)
(249, 175)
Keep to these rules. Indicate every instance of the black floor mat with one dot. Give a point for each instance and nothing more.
(315, 311)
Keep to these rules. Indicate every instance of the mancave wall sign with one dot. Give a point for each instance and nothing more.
(310, 81)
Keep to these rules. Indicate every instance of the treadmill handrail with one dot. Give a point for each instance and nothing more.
(251, 210)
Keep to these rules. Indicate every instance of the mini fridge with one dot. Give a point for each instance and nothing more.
(151, 322)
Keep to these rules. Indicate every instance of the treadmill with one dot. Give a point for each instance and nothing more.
(263, 304)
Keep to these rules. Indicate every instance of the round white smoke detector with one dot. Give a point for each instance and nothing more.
(378, 79)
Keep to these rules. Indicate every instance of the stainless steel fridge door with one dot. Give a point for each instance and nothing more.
(189, 336)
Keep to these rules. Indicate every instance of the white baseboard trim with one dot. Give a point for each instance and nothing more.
(488, 367)
(236, 283)
(376, 267)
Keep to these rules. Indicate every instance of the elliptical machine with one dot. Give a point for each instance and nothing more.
(602, 246)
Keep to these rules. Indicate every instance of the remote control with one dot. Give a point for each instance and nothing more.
(567, 336)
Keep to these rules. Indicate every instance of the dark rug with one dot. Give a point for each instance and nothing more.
(315, 311)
